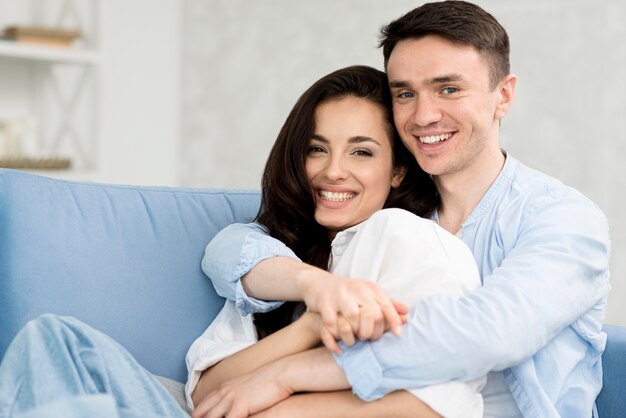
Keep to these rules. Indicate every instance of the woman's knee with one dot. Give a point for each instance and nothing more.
(51, 328)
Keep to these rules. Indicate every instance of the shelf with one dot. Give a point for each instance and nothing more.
(51, 163)
(12, 49)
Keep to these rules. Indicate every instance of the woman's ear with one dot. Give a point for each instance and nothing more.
(398, 175)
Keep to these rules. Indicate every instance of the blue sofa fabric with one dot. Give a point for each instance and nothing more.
(611, 402)
(126, 260)
(123, 259)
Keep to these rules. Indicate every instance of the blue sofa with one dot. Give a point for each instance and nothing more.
(126, 260)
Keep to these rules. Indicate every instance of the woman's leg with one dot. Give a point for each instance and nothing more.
(58, 366)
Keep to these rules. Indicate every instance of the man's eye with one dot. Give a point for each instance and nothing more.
(405, 95)
(449, 90)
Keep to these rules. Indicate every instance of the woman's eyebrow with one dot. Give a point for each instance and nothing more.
(320, 138)
(361, 138)
(357, 139)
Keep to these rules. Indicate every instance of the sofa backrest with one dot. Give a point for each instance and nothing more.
(124, 259)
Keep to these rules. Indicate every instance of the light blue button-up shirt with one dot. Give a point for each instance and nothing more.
(542, 250)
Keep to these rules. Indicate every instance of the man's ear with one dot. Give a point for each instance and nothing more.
(507, 95)
(398, 175)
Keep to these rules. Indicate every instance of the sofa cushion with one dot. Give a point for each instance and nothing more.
(124, 259)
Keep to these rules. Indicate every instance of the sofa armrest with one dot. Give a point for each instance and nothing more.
(611, 402)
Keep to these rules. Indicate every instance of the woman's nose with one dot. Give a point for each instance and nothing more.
(336, 168)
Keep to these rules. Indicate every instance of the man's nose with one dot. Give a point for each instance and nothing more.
(426, 111)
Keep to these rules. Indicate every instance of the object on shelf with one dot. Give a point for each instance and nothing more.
(10, 139)
(27, 163)
(42, 35)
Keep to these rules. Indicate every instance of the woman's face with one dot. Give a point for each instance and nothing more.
(349, 162)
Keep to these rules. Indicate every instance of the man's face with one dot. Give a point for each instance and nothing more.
(444, 107)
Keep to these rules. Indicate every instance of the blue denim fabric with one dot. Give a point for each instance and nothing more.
(60, 367)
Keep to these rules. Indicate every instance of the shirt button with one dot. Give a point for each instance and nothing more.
(338, 251)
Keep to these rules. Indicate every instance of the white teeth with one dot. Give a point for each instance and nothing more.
(434, 138)
(325, 194)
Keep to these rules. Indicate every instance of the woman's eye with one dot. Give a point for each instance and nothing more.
(315, 149)
(363, 153)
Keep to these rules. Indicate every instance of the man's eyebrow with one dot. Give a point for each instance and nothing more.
(393, 84)
(446, 78)
(442, 79)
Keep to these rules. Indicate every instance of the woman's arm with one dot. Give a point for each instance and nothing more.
(301, 335)
(314, 370)
(344, 404)
(243, 262)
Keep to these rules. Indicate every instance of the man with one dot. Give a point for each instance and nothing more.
(542, 248)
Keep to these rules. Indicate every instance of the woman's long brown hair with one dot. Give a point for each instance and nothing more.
(287, 204)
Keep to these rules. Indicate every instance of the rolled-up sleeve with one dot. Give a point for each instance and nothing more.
(235, 251)
(366, 382)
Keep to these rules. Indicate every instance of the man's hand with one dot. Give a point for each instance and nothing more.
(352, 309)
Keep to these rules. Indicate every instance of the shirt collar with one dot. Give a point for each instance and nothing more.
(497, 188)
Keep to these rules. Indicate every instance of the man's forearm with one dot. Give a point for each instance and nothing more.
(311, 371)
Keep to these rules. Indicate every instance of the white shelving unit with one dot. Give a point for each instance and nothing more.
(61, 87)
(11, 49)
(111, 103)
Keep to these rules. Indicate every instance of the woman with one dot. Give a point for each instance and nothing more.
(336, 163)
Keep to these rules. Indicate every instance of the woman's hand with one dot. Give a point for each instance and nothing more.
(312, 370)
(352, 309)
(244, 395)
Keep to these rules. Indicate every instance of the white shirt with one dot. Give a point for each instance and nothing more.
(410, 258)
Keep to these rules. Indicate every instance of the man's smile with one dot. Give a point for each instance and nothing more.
(432, 139)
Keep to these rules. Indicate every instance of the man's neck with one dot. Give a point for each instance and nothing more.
(461, 191)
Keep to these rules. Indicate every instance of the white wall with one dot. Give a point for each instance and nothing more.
(140, 91)
(245, 63)
(193, 92)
